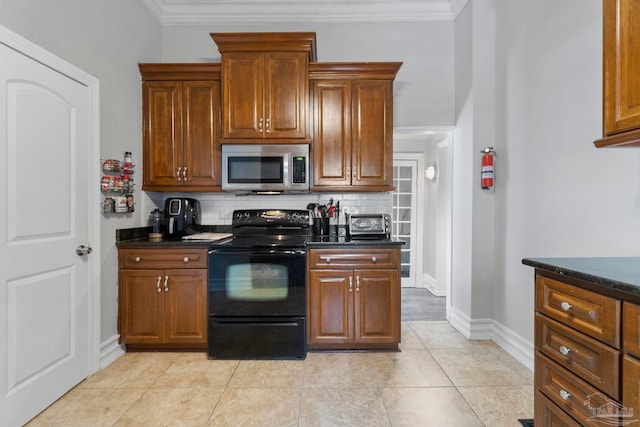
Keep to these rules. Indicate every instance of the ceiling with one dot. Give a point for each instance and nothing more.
(184, 12)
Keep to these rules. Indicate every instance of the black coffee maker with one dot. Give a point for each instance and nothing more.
(182, 217)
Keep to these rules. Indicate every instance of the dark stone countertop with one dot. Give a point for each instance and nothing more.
(620, 274)
(334, 241)
(138, 237)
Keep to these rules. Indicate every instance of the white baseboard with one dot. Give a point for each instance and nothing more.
(431, 284)
(110, 351)
(488, 329)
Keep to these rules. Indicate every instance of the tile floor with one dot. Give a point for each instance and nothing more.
(437, 379)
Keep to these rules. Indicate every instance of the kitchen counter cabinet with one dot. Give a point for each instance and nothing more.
(181, 127)
(265, 92)
(353, 299)
(621, 81)
(586, 339)
(352, 126)
(162, 298)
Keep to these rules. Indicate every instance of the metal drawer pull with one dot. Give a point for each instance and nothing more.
(565, 306)
(158, 284)
(137, 259)
(357, 283)
(564, 350)
(184, 173)
(350, 283)
(268, 125)
(326, 259)
(374, 259)
(166, 283)
(186, 259)
(178, 174)
(565, 395)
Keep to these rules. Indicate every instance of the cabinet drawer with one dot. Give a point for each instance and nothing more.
(163, 258)
(548, 414)
(589, 359)
(570, 393)
(361, 258)
(596, 315)
(631, 331)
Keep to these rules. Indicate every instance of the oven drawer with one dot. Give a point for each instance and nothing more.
(591, 360)
(574, 396)
(353, 258)
(163, 258)
(596, 315)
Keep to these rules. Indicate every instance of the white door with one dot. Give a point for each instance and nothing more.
(46, 294)
(406, 215)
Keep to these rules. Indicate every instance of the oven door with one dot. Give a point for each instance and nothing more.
(257, 282)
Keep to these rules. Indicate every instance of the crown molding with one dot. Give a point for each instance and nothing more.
(457, 6)
(184, 12)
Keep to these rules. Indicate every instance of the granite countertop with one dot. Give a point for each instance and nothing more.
(138, 237)
(616, 273)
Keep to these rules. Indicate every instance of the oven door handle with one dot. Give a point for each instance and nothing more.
(294, 252)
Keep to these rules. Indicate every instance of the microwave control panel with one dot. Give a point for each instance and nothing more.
(299, 170)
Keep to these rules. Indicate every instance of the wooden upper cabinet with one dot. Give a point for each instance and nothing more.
(265, 93)
(353, 126)
(181, 127)
(621, 80)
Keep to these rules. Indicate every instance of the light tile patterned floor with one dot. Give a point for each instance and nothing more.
(438, 379)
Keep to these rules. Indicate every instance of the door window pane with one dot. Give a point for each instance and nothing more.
(257, 282)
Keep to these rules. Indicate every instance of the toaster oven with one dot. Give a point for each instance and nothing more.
(369, 226)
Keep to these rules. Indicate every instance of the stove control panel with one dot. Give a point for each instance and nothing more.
(271, 217)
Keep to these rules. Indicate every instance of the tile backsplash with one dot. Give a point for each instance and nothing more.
(217, 208)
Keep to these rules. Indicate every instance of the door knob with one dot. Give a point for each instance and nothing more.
(83, 250)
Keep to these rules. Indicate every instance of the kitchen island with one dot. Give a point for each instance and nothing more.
(587, 340)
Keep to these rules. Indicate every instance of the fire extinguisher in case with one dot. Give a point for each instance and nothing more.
(486, 174)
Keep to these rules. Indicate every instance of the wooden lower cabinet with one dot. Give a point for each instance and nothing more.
(587, 364)
(162, 308)
(353, 308)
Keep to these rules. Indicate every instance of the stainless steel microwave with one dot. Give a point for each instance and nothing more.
(265, 168)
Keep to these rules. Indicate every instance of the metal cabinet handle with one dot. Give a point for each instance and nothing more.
(178, 174)
(166, 283)
(158, 284)
(350, 284)
(374, 259)
(260, 125)
(268, 125)
(137, 259)
(565, 306)
(565, 395)
(184, 173)
(354, 172)
(357, 283)
(348, 173)
(186, 259)
(564, 350)
(326, 259)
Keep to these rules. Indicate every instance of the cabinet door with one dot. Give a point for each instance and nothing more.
(330, 309)
(631, 385)
(377, 301)
(162, 133)
(201, 149)
(185, 296)
(621, 64)
(332, 133)
(286, 95)
(372, 133)
(242, 94)
(141, 306)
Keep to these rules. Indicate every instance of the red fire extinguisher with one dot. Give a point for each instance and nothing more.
(486, 174)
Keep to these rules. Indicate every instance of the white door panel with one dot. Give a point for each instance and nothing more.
(45, 288)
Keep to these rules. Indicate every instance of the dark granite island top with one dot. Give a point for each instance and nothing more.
(617, 275)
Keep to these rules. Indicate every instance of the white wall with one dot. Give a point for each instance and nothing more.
(556, 195)
(423, 89)
(106, 39)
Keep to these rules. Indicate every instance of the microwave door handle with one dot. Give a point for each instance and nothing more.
(171, 220)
